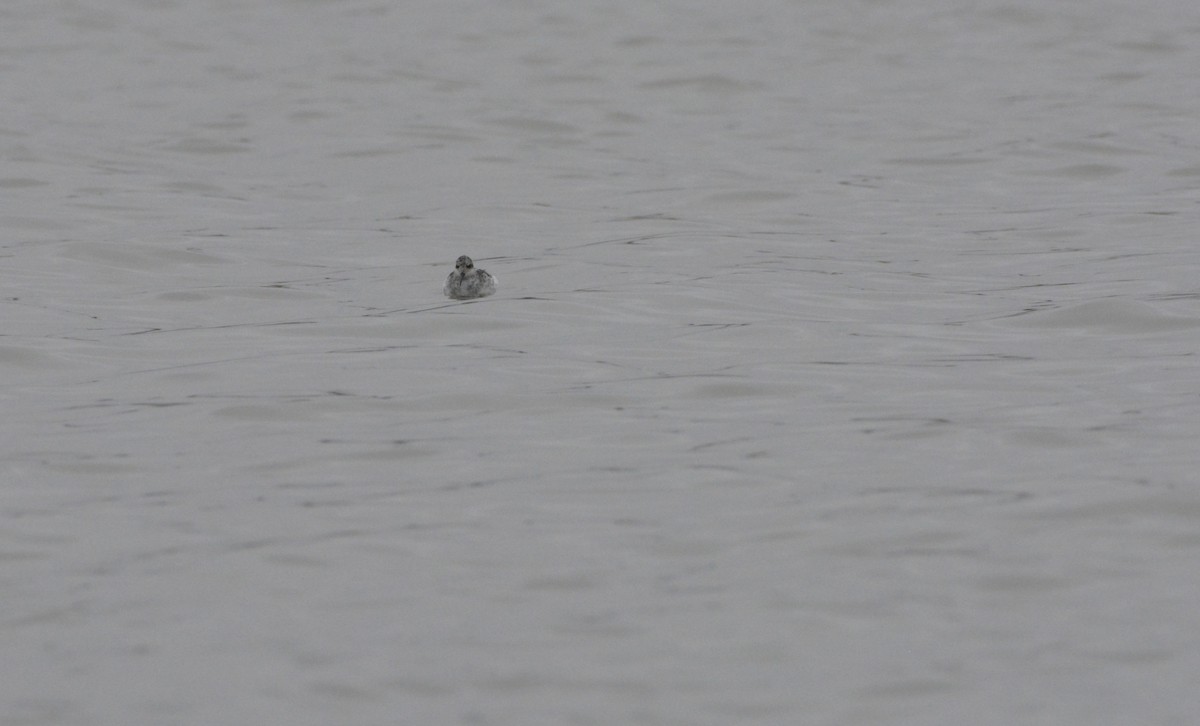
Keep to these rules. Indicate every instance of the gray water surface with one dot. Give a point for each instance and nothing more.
(843, 369)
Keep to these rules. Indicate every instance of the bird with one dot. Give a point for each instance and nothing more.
(467, 282)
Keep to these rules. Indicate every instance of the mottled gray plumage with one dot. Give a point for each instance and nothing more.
(467, 282)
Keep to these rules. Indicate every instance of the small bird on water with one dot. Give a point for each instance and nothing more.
(466, 282)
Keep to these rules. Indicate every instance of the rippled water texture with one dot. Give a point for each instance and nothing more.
(843, 369)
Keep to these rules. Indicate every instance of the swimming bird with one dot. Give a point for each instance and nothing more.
(467, 282)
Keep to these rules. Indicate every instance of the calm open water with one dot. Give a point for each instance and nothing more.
(843, 371)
